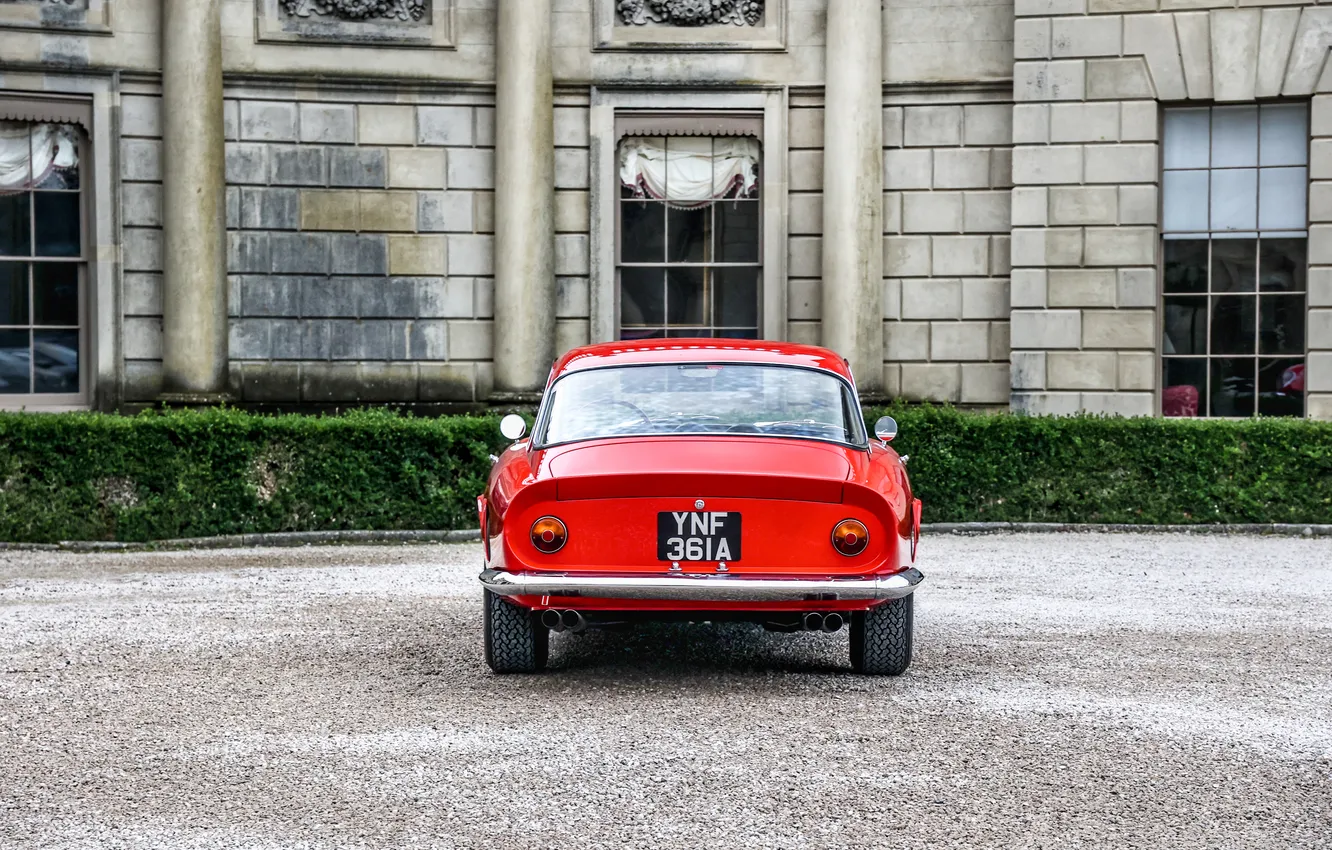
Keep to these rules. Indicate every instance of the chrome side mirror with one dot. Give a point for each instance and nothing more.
(885, 429)
(513, 426)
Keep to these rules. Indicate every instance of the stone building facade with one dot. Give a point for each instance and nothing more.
(1119, 206)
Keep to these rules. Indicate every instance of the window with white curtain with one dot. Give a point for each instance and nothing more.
(42, 263)
(1235, 226)
(688, 244)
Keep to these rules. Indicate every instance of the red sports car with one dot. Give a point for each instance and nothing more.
(699, 480)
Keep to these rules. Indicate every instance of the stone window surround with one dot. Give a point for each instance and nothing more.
(440, 34)
(610, 35)
(99, 364)
(769, 104)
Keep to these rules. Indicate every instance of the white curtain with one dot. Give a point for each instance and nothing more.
(29, 153)
(688, 171)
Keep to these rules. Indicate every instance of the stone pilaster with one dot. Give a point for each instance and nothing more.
(524, 199)
(853, 189)
(194, 296)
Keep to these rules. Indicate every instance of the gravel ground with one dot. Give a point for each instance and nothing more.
(1068, 690)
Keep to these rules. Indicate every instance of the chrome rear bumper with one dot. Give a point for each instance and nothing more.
(691, 587)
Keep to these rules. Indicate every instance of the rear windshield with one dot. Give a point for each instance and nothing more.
(701, 398)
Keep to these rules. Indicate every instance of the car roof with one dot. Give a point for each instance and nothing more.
(648, 351)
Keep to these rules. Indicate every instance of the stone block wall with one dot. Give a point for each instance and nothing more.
(1319, 364)
(360, 246)
(946, 209)
(946, 250)
(1089, 80)
(141, 244)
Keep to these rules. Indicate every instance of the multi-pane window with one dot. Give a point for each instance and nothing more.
(41, 261)
(1236, 237)
(688, 255)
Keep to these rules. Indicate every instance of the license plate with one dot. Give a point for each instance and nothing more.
(698, 536)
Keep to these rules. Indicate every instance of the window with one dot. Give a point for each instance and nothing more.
(42, 262)
(1235, 228)
(688, 255)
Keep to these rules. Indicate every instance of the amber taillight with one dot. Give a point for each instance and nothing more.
(850, 537)
(549, 534)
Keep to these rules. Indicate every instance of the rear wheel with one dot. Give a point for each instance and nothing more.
(881, 638)
(515, 641)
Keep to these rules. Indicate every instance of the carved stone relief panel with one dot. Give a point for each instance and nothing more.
(691, 13)
(690, 25)
(391, 23)
(89, 16)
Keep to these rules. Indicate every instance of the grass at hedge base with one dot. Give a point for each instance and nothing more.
(169, 475)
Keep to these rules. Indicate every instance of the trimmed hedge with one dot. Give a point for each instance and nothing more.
(1090, 469)
(168, 475)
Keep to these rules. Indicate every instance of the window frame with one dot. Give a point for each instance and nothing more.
(728, 127)
(766, 104)
(78, 114)
(1258, 237)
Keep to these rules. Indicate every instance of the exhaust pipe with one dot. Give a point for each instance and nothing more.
(832, 622)
(573, 621)
(813, 622)
(550, 618)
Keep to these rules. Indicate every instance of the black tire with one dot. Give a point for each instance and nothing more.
(881, 638)
(516, 642)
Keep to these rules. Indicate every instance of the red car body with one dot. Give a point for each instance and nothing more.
(609, 491)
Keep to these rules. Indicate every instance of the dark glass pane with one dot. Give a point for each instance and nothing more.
(642, 297)
(686, 333)
(1232, 387)
(55, 294)
(688, 234)
(739, 333)
(1185, 324)
(13, 293)
(14, 362)
(1234, 265)
(61, 178)
(685, 297)
(1184, 386)
(1185, 265)
(15, 235)
(642, 333)
(55, 360)
(1233, 324)
(1280, 386)
(738, 232)
(642, 231)
(735, 299)
(58, 227)
(1281, 324)
(1282, 264)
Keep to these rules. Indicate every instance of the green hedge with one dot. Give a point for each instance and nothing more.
(161, 476)
(975, 468)
(166, 475)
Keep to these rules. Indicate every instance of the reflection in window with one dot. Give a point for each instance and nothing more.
(1233, 318)
(41, 259)
(689, 237)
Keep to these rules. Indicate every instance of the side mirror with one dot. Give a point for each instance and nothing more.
(513, 426)
(886, 428)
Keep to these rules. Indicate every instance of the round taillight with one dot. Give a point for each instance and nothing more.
(549, 534)
(850, 537)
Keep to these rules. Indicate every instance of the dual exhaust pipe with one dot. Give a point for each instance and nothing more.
(563, 621)
(815, 622)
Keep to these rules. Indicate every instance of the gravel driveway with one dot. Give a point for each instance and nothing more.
(1089, 690)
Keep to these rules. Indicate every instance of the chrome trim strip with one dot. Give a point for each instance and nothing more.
(695, 587)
